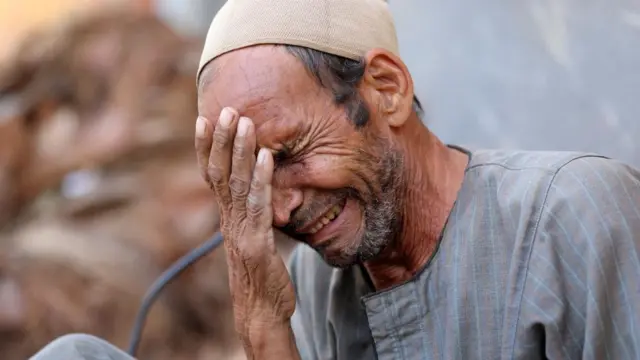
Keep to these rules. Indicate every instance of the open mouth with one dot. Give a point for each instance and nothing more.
(327, 218)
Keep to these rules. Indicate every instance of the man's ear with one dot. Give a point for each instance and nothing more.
(391, 86)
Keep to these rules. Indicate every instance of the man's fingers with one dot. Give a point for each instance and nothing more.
(259, 208)
(203, 145)
(242, 162)
(219, 167)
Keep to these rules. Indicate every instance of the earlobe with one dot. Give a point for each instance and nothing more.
(392, 85)
(401, 112)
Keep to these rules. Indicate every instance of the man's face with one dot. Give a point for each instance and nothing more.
(336, 187)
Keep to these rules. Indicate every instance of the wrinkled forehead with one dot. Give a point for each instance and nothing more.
(264, 83)
(254, 80)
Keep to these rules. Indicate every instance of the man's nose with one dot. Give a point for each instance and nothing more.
(285, 202)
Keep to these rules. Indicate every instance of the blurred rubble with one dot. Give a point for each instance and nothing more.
(88, 93)
(99, 191)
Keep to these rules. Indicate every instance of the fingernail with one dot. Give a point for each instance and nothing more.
(262, 156)
(201, 126)
(225, 117)
(243, 127)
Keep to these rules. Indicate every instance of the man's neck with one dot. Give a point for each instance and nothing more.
(434, 174)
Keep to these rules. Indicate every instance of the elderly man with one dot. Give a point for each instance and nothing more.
(411, 249)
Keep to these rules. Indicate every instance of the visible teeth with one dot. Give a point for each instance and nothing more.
(333, 212)
(315, 228)
(328, 217)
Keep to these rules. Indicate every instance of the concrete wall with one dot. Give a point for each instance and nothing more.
(535, 74)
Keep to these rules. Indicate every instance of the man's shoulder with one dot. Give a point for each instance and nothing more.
(528, 182)
(596, 185)
(560, 166)
(554, 168)
(579, 198)
(585, 247)
(518, 160)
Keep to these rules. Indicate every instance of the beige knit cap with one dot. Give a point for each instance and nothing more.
(347, 28)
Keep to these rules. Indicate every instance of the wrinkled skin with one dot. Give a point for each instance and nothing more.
(322, 159)
(243, 188)
(311, 159)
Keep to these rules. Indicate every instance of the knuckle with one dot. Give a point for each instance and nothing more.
(220, 139)
(238, 186)
(239, 150)
(255, 207)
(216, 175)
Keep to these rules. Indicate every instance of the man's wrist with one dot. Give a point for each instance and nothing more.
(271, 340)
(262, 331)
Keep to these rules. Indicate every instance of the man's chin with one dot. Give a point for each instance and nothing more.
(343, 258)
(339, 262)
(336, 258)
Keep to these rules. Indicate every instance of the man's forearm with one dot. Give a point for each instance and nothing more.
(271, 342)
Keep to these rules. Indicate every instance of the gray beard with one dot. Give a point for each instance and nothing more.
(382, 215)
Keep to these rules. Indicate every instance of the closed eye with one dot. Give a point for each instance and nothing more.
(281, 156)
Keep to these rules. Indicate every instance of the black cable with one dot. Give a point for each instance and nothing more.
(163, 280)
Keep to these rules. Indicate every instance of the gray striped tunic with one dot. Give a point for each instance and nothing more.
(539, 260)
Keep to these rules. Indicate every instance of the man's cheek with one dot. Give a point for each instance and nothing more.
(330, 178)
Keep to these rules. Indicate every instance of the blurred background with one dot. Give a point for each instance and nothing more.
(99, 190)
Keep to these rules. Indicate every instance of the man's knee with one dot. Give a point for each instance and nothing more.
(80, 347)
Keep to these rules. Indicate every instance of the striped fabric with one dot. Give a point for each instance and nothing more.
(540, 259)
